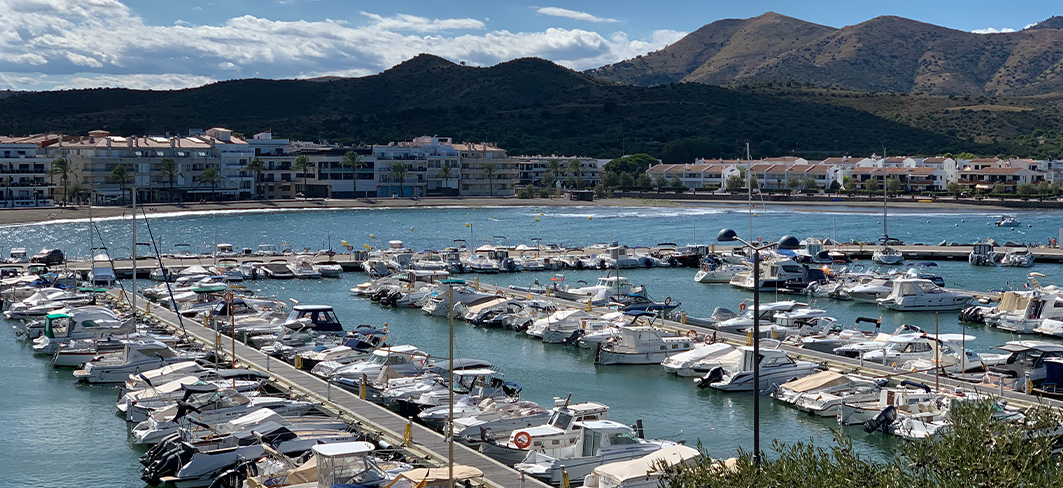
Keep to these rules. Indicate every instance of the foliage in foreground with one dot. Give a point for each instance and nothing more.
(978, 451)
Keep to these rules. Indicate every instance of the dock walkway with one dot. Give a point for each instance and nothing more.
(426, 444)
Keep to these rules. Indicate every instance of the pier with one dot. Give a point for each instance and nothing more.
(427, 445)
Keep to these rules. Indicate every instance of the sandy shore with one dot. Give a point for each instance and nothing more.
(15, 216)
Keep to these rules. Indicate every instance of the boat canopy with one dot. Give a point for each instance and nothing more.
(816, 381)
(429, 475)
(647, 465)
(1019, 346)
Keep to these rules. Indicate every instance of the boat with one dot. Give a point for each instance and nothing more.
(887, 255)
(68, 324)
(375, 267)
(870, 291)
(136, 357)
(982, 254)
(267, 250)
(438, 304)
(1008, 221)
(1019, 257)
(641, 344)
(860, 411)
(1024, 367)
(1029, 310)
(560, 325)
(497, 424)
(480, 263)
(329, 268)
(224, 251)
(644, 472)
(775, 368)
(700, 359)
(811, 252)
(401, 360)
(102, 273)
(777, 271)
(607, 288)
(915, 294)
(909, 351)
(278, 270)
(821, 394)
(767, 315)
(718, 272)
(301, 268)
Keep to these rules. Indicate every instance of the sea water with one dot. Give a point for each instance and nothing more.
(59, 433)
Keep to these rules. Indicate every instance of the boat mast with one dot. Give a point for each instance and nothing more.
(133, 296)
(749, 189)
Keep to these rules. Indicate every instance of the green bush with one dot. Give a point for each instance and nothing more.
(544, 193)
(526, 192)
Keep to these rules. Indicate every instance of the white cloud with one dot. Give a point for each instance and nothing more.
(76, 43)
(573, 14)
(990, 30)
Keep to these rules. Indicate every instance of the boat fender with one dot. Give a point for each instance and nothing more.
(522, 440)
(693, 334)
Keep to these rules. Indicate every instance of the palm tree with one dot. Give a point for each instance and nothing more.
(255, 166)
(120, 175)
(576, 168)
(445, 174)
(171, 170)
(61, 167)
(212, 177)
(303, 165)
(489, 172)
(398, 173)
(352, 160)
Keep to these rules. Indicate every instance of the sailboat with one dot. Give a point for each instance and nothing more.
(886, 254)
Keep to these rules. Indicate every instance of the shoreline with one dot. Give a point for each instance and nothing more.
(40, 215)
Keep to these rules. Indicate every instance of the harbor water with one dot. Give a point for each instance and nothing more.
(61, 434)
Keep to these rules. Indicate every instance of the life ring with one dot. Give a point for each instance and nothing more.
(742, 306)
(667, 301)
(708, 339)
(500, 293)
(692, 333)
(522, 440)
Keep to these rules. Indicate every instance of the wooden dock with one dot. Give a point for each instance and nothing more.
(426, 444)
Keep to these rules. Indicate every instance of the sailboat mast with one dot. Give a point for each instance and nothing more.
(133, 296)
(749, 189)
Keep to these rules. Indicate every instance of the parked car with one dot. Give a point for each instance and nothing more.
(49, 257)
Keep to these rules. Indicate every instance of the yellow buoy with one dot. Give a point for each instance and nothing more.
(536, 218)
(754, 215)
(466, 224)
(411, 229)
(590, 218)
(372, 236)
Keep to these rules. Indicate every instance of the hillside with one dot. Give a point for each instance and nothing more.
(528, 106)
(888, 53)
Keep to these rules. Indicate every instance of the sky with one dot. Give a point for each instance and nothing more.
(151, 44)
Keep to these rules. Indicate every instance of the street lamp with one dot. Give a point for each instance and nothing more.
(787, 242)
(450, 381)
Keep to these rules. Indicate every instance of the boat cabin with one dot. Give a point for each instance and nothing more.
(342, 463)
(267, 250)
(63, 323)
(319, 318)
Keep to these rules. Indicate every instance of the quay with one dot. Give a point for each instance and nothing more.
(425, 444)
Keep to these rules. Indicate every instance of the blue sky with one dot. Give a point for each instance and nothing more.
(57, 44)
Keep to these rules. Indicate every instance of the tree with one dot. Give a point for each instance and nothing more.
(1027, 189)
(445, 174)
(212, 177)
(953, 189)
(850, 183)
(677, 183)
(660, 181)
(61, 167)
(304, 166)
(352, 160)
(753, 182)
(549, 178)
(73, 191)
(554, 166)
(999, 188)
(809, 183)
(489, 172)
(872, 184)
(734, 183)
(643, 181)
(626, 181)
(610, 179)
(575, 167)
(398, 172)
(171, 170)
(122, 176)
(793, 183)
(893, 185)
(634, 164)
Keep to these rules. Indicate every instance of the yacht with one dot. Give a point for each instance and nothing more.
(812, 252)
(1019, 257)
(278, 270)
(402, 360)
(914, 294)
(68, 324)
(607, 288)
(700, 359)
(136, 357)
(1032, 308)
(982, 254)
(481, 263)
(438, 305)
(887, 255)
(1024, 366)
(858, 411)
(904, 350)
(713, 272)
(644, 472)
(776, 271)
(821, 394)
(1008, 221)
(328, 268)
(871, 291)
(267, 250)
(596, 443)
(641, 344)
(375, 267)
(561, 429)
(303, 269)
(775, 368)
(767, 315)
(498, 422)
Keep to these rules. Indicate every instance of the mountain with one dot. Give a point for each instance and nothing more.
(887, 53)
(528, 106)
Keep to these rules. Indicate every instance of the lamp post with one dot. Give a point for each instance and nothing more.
(450, 411)
(787, 242)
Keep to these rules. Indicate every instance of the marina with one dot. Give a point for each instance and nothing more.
(674, 407)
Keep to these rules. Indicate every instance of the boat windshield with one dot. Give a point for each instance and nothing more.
(561, 420)
(621, 438)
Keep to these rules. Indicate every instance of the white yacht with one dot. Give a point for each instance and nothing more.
(438, 305)
(887, 255)
(822, 393)
(136, 357)
(375, 267)
(982, 254)
(700, 359)
(718, 272)
(641, 344)
(915, 294)
(1030, 310)
(481, 263)
(302, 268)
(605, 290)
(405, 359)
(775, 368)
(767, 315)
(597, 442)
(871, 291)
(775, 271)
(643, 472)
(859, 410)
(908, 350)
(65, 325)
(1008, 221)
(1025, 361)
(1019, 257)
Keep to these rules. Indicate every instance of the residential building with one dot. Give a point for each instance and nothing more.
(24, 181)
(988, 177)
(486, 170)
(530, 169)
(916, 179)
(421, 158)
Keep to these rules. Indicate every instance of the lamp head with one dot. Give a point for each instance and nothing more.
(789, 242)
(727, 235)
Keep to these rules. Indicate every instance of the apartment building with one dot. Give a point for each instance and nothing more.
(24, 181)
(486, 170)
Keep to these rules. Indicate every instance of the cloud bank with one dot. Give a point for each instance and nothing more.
(54, 44)
(573, 14)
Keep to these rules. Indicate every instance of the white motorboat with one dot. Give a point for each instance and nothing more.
(402, 360)
(1008, 221)
(1024, 366)
(301, 268)
(278, 269)
(44, 302)
(1030, 309)
(328, 268)
(822, 393)
(605, 290)
(644, 472)
(480, 263)
(375, 267)
(775, 368)
(267, 250)
(776, 270)
(1019, 257)
(915, 294)
(498, 423)
(767, 315)
(860, 411)
(597, 442)
(700, 359)
(560, 325)
(871, 291)
(797, 323)
(65, 325)
(718, 272)
(910, 351)
(438, 305)
(641, 344)
(136, 357)
(982, 254)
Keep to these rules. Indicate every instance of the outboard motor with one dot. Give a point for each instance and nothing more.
(573, 340)
(884, 419)
(714, 375)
